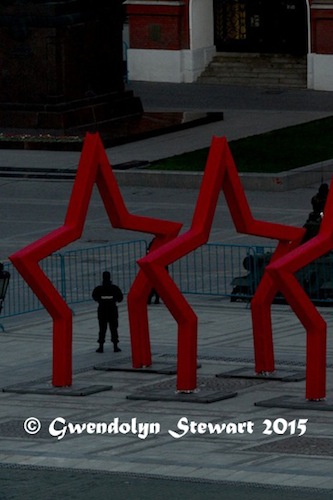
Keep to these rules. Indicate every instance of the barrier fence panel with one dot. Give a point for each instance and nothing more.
(212, 269)
(232, 271)
(75, 273)
(19, 297)
(83, 268)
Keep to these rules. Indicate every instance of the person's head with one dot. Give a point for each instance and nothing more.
(317, 204)
(323, 190)
(106, 277)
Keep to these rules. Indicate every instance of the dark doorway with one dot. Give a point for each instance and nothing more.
(278, 26)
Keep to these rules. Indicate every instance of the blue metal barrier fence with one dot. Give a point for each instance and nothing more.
(75, 273)
(214, 269)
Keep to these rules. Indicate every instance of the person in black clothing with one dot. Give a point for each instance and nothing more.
(4, 275)
(153, 293)
(313, 222)
(318, 201)
(107, 295)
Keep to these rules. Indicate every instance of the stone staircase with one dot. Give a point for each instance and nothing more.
(261, 70)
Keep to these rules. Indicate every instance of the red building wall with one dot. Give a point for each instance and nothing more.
(322, 26)
(158, 26)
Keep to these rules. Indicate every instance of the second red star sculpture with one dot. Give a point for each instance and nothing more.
(220, 174)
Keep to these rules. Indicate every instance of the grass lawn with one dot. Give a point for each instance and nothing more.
(272, 152)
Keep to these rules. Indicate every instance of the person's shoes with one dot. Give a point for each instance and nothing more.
(100, 349)
(116, 349)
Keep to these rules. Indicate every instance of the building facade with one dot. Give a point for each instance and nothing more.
(174, 40)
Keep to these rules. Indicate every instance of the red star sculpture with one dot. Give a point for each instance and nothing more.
(93, 167)
(220, 173)
(261, 315)
(282, 272)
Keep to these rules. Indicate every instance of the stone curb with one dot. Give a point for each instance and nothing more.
(282, 181)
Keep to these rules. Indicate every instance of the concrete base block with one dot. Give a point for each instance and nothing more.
(282, 374)
(298, 403)
(48, 389)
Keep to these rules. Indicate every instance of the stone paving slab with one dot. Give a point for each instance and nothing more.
(298, 403)
(47, 388)
(208, 391)
(293, 445)
(40, 483)
(279, 374)
(125, 365)
(159, 367)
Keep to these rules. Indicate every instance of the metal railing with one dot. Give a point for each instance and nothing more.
(75, 273)
(214, 269)
(211, 269)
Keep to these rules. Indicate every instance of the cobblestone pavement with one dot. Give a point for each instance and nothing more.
(32, 483)
(274, 455)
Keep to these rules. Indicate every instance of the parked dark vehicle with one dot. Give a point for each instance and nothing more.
(316, 278)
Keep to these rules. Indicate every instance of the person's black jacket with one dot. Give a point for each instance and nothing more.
(107, 295)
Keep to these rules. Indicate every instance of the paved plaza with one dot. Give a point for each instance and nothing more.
(237, 436)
